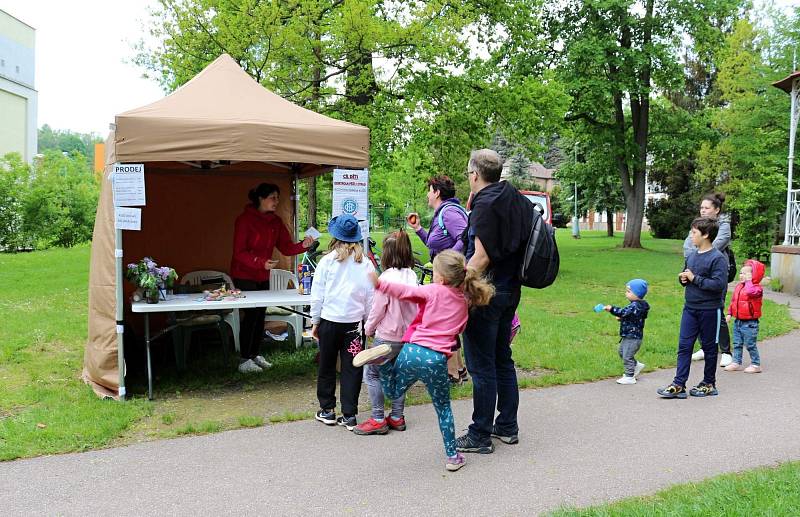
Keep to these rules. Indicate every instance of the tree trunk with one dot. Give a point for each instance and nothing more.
(610, 222)
(634, 204)
(312, 201)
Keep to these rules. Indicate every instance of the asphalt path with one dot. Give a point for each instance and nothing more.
(579, 445)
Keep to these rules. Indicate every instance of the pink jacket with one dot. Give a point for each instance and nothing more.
(442, 314)
(389, 317)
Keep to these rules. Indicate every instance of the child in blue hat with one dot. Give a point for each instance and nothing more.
(631, 328)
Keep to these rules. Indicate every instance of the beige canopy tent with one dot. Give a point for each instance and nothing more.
(203, 147)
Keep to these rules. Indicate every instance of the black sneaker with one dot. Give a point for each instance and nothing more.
(468, 444)
(326, 416)
(704, 390)
(348, 422)
(673, 391)
(510, 439)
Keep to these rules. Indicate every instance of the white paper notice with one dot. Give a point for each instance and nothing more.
(351, 194)
(128, 181)
(313, 233)
(127, 218)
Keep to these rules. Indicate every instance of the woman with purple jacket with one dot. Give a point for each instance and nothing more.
(448, 223)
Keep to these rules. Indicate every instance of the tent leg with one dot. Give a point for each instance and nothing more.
(296, 210)
(119, 315)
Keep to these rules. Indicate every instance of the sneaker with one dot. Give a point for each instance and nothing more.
(672, 391)
(326, 416)
(348, 422)
(468, 444)
(462, 374)
(734, 367)
(698, 356)
(456, 462)
(371, 426)
(249, 366)
(626, 380)
(703, 390)
(375, 355)
(638, 369)
(263, 363)
(725, 360)
(753, 368)
(510, 439)
(396, 424)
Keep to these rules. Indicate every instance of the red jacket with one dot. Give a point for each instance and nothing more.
(746, 299)
(255, 237)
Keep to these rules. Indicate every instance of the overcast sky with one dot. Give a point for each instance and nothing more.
(81, 49)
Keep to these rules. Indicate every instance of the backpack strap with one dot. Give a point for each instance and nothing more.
(440, 218)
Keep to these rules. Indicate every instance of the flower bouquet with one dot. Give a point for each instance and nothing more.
(151, 278)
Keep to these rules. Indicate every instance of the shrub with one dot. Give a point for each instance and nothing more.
(670, 218)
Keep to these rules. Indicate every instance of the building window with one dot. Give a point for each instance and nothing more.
(2, 62)
(17, 67)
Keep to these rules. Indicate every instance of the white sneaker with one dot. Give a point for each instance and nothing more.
(626, 380)
(249, 366)
(725, 360)
(261, 362)
(375, 355)
(638, 369)
(698, 356)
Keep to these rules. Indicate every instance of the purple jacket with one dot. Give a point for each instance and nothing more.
(455, 223)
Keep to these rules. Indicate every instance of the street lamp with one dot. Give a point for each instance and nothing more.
(576, 230)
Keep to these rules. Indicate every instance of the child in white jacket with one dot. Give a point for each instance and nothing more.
(341, 297)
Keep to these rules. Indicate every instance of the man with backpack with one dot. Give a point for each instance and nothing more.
(449, 217)
(499, 229)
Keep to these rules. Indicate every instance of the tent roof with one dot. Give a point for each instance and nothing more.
(224, 114)
(785, 84)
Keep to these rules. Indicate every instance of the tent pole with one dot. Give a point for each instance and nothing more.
(120, 311)
(295, 210)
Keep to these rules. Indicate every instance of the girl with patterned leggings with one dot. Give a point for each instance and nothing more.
(442, 315)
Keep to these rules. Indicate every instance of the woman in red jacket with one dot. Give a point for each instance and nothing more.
(257, 233)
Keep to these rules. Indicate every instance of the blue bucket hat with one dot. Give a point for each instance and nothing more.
(345, 228)
(638, 287)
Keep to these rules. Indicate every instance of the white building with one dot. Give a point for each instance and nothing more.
(18, 96)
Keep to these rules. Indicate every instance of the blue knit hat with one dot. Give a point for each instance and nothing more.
(638, 287)
(345, 228)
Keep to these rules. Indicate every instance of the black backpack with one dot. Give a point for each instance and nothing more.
(540, 261)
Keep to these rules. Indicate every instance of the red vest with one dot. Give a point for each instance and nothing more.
(747, 296)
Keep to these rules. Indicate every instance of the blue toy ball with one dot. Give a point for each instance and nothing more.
(599, 307)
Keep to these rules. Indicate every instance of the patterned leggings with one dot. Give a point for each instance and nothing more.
(417, 363)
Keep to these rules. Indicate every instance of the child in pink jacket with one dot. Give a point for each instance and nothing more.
(388, 320)
(429, 339)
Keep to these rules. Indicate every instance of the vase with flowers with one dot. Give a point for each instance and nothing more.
(152, 279)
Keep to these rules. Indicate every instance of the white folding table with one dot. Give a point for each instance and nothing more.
(285, 299)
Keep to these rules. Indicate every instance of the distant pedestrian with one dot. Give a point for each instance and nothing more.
(631, 328)
(746, 308)
(705, 278)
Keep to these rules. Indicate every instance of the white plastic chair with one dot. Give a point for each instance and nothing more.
(279, 279)
(231, 317)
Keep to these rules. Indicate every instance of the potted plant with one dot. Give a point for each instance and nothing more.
(151, 278)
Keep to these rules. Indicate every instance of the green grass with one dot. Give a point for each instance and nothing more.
(764, 491)
(43, 302)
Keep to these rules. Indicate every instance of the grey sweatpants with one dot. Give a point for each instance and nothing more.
(627, 350)
(373, 380)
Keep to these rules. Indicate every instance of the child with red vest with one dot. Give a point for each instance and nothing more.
(746, 308)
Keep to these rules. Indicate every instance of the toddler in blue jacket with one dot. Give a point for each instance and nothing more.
(631, 328)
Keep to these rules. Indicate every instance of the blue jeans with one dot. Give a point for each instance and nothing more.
(745, 332)
(372, 379)
(703, 324)
(487, 349)
(417, 363)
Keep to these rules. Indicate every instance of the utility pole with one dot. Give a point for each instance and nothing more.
(576, 231)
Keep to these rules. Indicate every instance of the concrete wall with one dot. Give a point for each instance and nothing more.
(785, 266)
(18, 96)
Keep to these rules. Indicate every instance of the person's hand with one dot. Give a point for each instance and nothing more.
(308, 241)
(413, 220)
(607, 308)
(727, 318)
(373, 277)
(315, 332)
(688, 275)
(270, 264)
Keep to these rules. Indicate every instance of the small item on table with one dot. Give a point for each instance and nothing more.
(222, 293)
